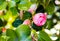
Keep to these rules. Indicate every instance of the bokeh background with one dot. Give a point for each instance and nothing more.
(13, 13)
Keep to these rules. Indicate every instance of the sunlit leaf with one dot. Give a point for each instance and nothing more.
(11, 4)
(24, 5)
(12, 35)
(3, 6)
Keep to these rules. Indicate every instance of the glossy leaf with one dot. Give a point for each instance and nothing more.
(1, 1)
(7, 15)
(23, 33)
(0, 31)
(11, 4)
(44, 2)
(1, 23)
(2, 39)
(25, 0)
(50, 24)
(50, 8)
(3, 6)
(11, 34)
(16, 0)
(24, 5)
(33, 1)
(14, 11)
(40, 39)
(27, 15)
(40, 9)
(37, 28)
(44, 36)
(17, 22)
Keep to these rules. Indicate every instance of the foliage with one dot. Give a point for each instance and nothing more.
(13, 13)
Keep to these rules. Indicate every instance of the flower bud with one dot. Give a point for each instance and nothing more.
(26, 22)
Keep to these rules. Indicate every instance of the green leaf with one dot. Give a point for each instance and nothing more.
(0, 31)
(14, 11)
(34, 34)
(17, 22)
(25, 0)
(1, 1)
(16, 0)
(2, 39)
(50, 23)
(50, 8)
(28, 39)
(44, 2)
(44, 36)
(3, 6)
(11, 4)
(35, 27)
(1, 23)
(27, 15)
(33, 1)
(11, 34)
(24, 5)
(23, 33)
(7, 15)
(4, 23)
(40, 39)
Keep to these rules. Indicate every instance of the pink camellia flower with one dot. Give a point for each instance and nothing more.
(26, 22)
(40, 18)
